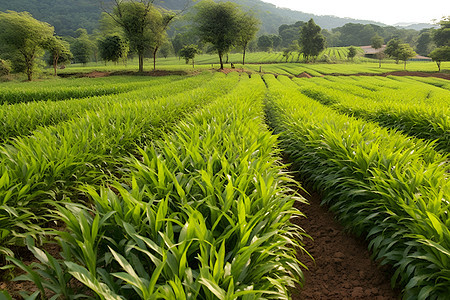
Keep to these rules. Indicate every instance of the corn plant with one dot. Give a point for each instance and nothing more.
(392, 189)
(56, 160)
(203, 213)
(427, 118)
(22, 118)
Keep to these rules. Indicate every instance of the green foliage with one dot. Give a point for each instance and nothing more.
(113, 48)
(424, 43)
(248, 26)
(351, 52)
(311, 41)
(416, 109)
(218, 23)
(405, 52)
(189, 52)
(82, 49)
(440, 54)
(265, 43)
(392, 49)
(442, 35)
(377, 42)
(390, 188)
(144, 26)
(21, 39)
(190, 221)
(5, 67)
(59, 52)
(86, 149)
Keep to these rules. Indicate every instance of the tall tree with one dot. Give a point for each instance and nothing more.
(442, 35)
(265, 43)
(113, 48)
(311, 41)
(248, 27)
(440, 54)
(160, 21)
(59, 52)
(21, 39)
(377, 43)
(143, 25)
(424, 43)
(392, 49)
(218, 23)
(405, 52)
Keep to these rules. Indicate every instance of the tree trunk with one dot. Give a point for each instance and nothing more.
(141, 62)
(439, 65)
(220, 59)
(154, 58)
(404, 67)
(243, 55)
(193, 62)
(55, 63)
(379, 63)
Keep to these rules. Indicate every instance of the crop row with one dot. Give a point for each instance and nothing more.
(392, 189)
(22, 118)
(74, 89)
(204, 215)
(419, 111)
(56, 160)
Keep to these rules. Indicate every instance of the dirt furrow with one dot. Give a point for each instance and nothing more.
(342, 268)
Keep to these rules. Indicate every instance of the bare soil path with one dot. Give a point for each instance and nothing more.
(342, 268)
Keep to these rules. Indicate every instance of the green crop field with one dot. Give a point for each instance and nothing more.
(174, 187)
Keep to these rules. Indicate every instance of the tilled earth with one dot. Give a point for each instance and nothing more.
(342, 268)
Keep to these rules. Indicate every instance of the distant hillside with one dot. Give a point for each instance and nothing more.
(69, 15)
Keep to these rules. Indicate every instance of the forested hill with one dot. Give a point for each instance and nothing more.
(69, 15)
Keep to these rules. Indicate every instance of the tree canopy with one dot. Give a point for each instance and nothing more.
(21, 40)
(218, 24)
(405, 52)
(440, 54)
(311, 41)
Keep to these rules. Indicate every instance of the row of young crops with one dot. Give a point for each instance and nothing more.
(175, 190)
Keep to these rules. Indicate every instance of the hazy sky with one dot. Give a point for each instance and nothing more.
(385, 11)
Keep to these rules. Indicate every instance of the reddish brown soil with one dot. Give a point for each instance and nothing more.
(304, 74)
(342, 268)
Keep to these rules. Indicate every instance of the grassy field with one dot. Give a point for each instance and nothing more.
(270, 63)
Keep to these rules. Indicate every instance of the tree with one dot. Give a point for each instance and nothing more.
(21, 39)
(377, 43)
(265, 43)
(440, 54)
(113, 48)
(442, 35)
(424, 43)
(405, 52)
(143, 25)
(276, 41)
(248, 26)
(351, 52)
(311, 41)
(59, 52)
(81, 50)
(160, 21)
(392, 49)
(189, 52)
(218, 23)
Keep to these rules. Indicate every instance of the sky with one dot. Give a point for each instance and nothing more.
(389, 12)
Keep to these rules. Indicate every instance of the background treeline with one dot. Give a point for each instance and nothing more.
(87, 13)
